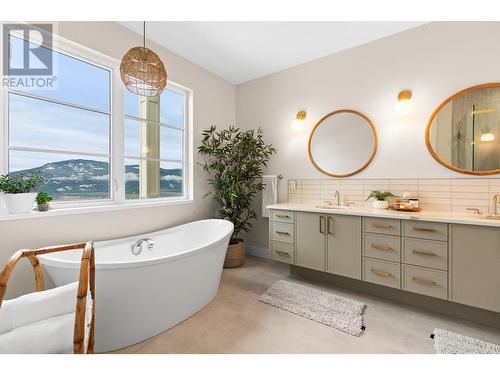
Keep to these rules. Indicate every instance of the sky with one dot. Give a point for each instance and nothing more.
(38, 124)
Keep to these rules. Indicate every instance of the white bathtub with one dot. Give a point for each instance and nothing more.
(139, 296)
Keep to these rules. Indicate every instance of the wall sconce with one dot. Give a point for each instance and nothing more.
(404, 105)
(298, 124)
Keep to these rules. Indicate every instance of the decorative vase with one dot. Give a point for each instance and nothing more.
(43, 206)
(19, 203)
(380, 205)
(235, 256)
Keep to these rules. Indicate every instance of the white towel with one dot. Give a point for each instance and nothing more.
(37, 306)
(49, 336)
(270, 193)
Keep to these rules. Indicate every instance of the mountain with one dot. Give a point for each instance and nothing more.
(77, 179)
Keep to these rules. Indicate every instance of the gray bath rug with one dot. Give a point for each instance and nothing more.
(446, 342)
(338, 312)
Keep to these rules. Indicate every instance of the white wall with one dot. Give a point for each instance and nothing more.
(434, 61)
(214, 103)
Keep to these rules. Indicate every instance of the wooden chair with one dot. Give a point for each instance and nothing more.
(82, 344)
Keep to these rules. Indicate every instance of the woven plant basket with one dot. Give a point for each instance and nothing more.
(235, 256)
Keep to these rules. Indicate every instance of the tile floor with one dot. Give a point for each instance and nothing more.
(236, 322)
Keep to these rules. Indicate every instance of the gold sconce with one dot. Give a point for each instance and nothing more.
(404, 105)
(298, 122)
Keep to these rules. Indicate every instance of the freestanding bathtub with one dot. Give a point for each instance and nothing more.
(139, 296)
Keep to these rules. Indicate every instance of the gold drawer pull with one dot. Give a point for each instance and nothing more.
(424, 281)
(381, 247)
(382, 226)
(381, 273)
(282, 253)
(282, 233)
(283, 216)
(328, 229)
(321, 224)
(423, 252)
(424, 229)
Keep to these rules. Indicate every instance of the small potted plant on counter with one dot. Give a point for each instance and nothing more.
(235, 160)
(381, 199)
(42, 200)
(18, 191)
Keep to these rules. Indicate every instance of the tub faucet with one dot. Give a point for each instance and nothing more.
(137, 246)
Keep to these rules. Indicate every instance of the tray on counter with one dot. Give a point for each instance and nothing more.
(397, 207)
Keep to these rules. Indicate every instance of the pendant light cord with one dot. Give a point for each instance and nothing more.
(144, 34)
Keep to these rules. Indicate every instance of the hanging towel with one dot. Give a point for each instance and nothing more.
(49, 336)
(37, 306)
(270, 192)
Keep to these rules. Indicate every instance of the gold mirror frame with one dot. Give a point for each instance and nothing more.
(375, 145)
(433, 115)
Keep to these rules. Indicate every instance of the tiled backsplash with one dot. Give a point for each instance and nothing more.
(449, 195)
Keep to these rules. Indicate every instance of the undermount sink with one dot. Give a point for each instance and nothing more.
(333, 207)
(490, 217)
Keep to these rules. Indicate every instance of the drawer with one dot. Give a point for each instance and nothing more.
(382, 226)
(419, 280)
(382, 272)
(426, 253)
(382, 247)
(282, 252)
(282, 232)
(426, 230)
(282, 216)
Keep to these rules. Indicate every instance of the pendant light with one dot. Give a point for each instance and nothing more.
(142, 71)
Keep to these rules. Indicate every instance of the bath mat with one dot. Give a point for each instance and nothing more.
(338, 312)
(446, 342)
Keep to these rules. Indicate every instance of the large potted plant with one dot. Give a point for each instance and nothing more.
(234, 162)
(18, 191)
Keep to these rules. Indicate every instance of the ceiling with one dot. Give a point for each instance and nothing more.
(242, 51)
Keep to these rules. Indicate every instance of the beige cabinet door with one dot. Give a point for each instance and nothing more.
(475, 266)
(310, 239)
(344, 245)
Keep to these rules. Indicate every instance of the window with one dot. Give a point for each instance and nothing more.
(92, 139)
(154, 147)
(63, 133)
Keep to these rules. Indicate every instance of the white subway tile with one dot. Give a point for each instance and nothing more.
(434, 181)
(469, 182)
(470, 188)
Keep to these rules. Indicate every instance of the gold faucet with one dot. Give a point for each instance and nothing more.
(337, 195)
(495, 200)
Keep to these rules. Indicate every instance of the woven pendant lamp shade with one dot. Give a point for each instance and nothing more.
(142, 72)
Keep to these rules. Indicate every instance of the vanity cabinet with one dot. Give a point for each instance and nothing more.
(282, 236)
(330, 243)
(475, 266)
(456, 262)
(406, 254)
(311, 240)
(343, 244)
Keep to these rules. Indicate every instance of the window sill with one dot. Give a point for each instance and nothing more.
(85, 209)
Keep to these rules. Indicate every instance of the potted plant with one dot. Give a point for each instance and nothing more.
(381, 199)
(18, 191)
(42, 200)
(235, 159)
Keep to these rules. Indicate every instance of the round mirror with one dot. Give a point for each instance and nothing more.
(462, 133)
(343, 143)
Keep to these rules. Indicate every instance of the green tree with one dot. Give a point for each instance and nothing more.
(234, 162)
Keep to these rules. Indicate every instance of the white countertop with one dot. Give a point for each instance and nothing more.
(424, 215)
